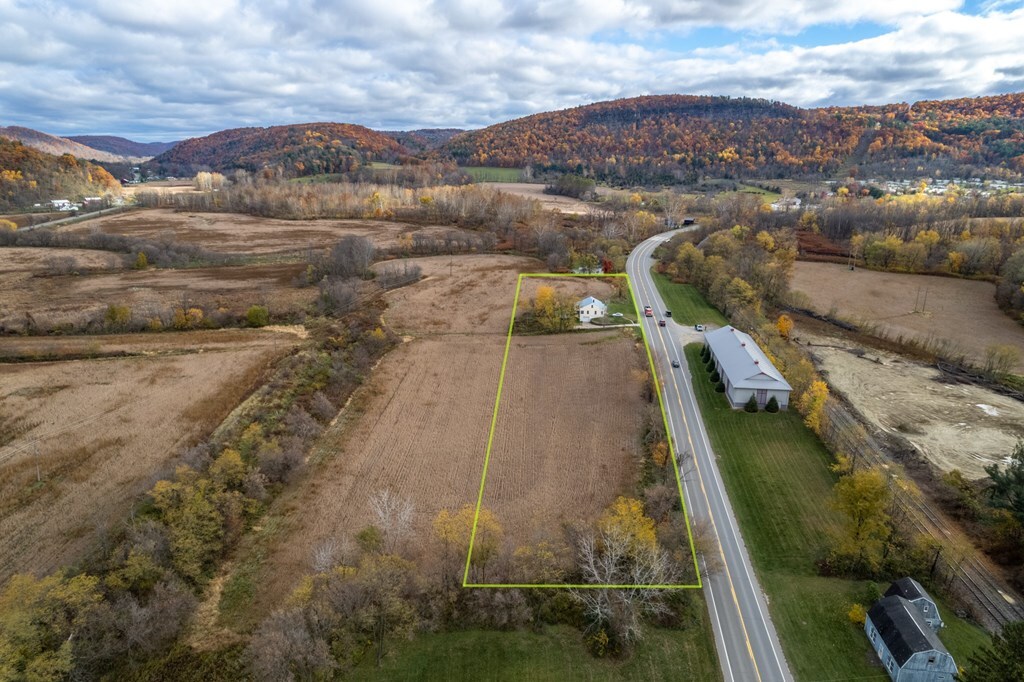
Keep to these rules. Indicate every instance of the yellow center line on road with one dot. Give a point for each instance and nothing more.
(707, 502)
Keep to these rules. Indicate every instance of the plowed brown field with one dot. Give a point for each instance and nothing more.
(566, 439)
(106, 429)
(420, 425)
(964, 312)
(53, 300)
(241, 234)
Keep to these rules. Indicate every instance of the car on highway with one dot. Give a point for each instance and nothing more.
(668, 313)
(675, 363)
(661, 323)
(648, 311)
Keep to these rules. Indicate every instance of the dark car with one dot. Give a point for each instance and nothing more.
(675, 363)
(661, 323)
(668, 313)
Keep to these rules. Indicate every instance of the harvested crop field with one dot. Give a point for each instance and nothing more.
(54, 300)
(962, 312)
(953, 426)
(529, 190)
(103, 430)
(566, 441)
(575, 288)
(418, 427)
(242, 234)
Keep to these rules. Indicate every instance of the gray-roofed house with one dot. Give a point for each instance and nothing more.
(745, 369)
(911, 590)
(907, 646)
(589, 308)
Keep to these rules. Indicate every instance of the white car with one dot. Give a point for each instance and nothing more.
(699, 327)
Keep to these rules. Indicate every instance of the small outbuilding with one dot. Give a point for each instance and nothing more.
(745, 370)
(905, 643)
(911, 590)
(589, 308)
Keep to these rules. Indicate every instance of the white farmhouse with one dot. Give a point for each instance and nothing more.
(745, 369)
(589, 308)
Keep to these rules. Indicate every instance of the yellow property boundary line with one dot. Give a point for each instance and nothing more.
(490, 441)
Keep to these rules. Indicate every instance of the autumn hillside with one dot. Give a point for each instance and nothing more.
(297, 150)
(671, 137)
(52, 144)
(29, 176)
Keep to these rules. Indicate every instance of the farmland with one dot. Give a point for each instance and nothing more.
(566, 439)
(962, 313)
(56, 299)
(103, 430)
(254, 236)
(418, 427)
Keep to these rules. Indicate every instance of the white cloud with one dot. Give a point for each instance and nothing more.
(165, 69)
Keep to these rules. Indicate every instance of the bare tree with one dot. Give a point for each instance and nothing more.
(394, 516)
(614, 558)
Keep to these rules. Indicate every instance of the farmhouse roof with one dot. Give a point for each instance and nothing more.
(590, 300)
(903, 629)
(909, 589)
(743, 361)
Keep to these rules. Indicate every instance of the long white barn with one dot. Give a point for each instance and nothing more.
(745, 369)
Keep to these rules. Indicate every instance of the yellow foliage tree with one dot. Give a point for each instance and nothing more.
(785, 325)
(625, 517)
(455, 530)
(7, 225)
(812, 405)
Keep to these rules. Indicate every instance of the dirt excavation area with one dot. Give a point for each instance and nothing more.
(81, 439)
(535, 191)
(954, 426)
(962, 312)
(566, 440)
(241, 234)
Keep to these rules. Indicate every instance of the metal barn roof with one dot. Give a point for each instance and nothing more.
(743, 361)
(590, 300)
(903, 629)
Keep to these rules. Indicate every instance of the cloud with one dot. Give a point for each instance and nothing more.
(162, 70)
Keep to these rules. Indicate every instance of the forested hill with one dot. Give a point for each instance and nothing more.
(29, 176)
(671, 137)
(122, 146)
(297, 150)
(52, 144)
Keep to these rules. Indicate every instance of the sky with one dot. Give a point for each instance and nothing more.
(165, 70)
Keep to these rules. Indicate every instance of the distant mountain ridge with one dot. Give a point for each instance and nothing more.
(123, 146)
(297, 150)
(53, 144)
(665, 138)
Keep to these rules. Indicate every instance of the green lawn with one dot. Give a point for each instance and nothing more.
(686, 303)
(776, 473)
(624, 306)
(492, 173)
(555, 654)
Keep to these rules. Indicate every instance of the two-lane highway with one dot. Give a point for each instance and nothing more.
(748, 647)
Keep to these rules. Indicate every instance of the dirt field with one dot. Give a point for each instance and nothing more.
(241, 234)
(54, 300)
(106, 429)
(536, 191)
(963, 312)
(955, 426)
(566, 439)
(421, 423)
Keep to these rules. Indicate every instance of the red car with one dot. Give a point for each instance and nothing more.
(661, 323)
(648, 311)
